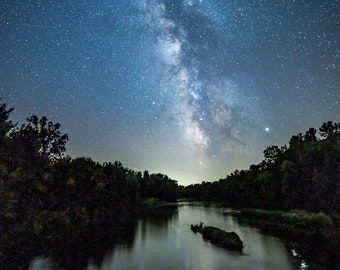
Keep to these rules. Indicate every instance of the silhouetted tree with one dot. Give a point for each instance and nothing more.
(310, 135)
(329, 129)
(273, 153)
(45, 136)
(5, 124)
(304, 175)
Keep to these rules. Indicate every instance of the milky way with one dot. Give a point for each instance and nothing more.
(192, 89)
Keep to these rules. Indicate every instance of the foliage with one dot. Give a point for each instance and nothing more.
(300, 219)
(304, 175)
(197, 228)
(228, 240)
(47, 195)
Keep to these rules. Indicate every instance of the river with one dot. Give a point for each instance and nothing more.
(168, 243)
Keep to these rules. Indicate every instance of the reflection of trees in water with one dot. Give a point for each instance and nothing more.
(316, 248)
(157, 220)
(93, 242)
(73, 247)
(318, 251)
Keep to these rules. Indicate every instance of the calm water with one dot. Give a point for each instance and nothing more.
(170, 244)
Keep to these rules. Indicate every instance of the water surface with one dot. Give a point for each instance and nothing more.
(168, 243)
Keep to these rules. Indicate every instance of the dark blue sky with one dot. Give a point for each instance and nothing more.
(192, 89)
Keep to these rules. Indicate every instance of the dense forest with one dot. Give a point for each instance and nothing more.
(36, 175)
(48, 198)
(304, 175)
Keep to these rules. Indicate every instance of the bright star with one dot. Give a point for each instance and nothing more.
(267, 129)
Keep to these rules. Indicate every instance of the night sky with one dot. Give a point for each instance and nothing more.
(193, 89)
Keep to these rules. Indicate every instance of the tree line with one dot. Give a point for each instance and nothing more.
(40, 185)
(303, 175)
(49, 201)
(37, 179)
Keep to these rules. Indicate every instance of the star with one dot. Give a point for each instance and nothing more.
(162, 85)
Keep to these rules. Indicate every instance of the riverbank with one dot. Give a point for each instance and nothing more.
(291, 224)
(298, 219)
(75, 236)
(315, 236)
